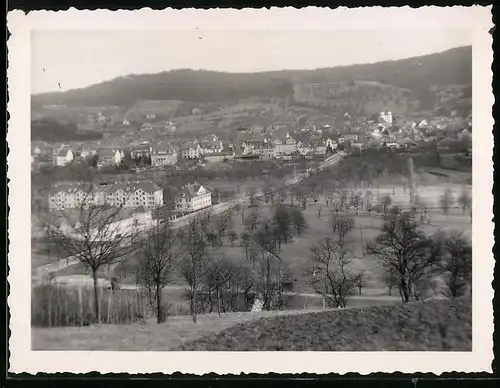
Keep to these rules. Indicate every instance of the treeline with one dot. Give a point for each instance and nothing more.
(185, 85)
(418, 74)
(53, 131)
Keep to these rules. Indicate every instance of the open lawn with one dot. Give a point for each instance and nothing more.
(441, 325)
(297, 252)
(145, 336)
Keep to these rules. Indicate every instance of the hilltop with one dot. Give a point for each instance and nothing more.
(437, 82)
(420, 326)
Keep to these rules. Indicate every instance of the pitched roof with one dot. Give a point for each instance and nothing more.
(192, 189)
(148, 187)
(189, 145)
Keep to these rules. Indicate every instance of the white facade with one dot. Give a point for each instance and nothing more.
(386, 116)
(193, 199)
(134, 198)
(71, 198)
(62, 158)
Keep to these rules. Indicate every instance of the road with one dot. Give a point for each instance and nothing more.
(59, 265)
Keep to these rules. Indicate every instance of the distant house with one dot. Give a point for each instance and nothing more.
(284, 145)
(101, 119)
(163, 155)
(192, 198)
(140, 150)
(146, 127)
(63, 157)
(350, 137)
(211, 146)
(125, 122)
(109, 157)
(317, 146)
(190, 151)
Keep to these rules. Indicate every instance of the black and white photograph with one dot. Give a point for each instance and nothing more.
(252, 189)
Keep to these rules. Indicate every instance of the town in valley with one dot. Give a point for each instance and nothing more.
(326, 209)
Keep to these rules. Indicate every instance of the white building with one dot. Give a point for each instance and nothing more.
(386, 117)
(68, 196)
(192, 198)
(128, 195)
(190, 151)
(134, 194)
(163, 155)
(63, 157)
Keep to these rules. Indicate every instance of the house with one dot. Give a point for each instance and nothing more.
(192, 198)
(125, 122)
(284, 145)
(350, 137)
(385, 119)
(163, 155)
(101, 119)
(211, 146)
(133, 194)
(109, 157)
(140, 150)
(190, 151)
(146, 127)
(63, 157)
(317, 146)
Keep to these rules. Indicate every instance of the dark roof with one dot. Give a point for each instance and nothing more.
(148, 187)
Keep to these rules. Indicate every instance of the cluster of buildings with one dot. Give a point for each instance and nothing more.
(128, 195)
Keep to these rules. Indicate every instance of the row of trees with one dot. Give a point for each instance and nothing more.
(411, 261)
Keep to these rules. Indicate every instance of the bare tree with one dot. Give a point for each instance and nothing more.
(457, 262)
(360, 280)
(341, 225)
(160, 251)
(332, 276)
(98, 238)
(193, 265)
(252, 220)
(386, 201)
(390, 280)
(219, 273)
(245, 241)
(404, 250)
(298, 220)
(446, 201)
(282, 224)
(251, 194)
(222, 222)
(465, 200)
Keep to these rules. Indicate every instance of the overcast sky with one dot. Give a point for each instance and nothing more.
(62, 60)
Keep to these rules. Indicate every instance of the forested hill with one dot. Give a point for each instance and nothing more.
(419, 75)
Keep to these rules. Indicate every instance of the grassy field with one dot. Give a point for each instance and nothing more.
(145, 336)
(444, 325)
(296, 253)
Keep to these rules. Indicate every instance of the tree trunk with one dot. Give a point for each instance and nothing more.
(96, 297)
(218, 302)
(159, 312)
